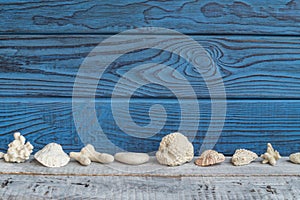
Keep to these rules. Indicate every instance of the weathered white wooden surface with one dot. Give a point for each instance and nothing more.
(153, 169)
(83, 187)
(30, 180)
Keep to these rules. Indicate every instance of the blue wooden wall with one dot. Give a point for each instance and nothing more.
(255, 44)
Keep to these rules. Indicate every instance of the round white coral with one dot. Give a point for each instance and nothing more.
(18, 151)
(175, 149)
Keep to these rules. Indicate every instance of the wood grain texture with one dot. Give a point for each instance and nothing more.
(283, 168)
(249, 124)
(251, 67)
(256, 181)
(196, 17)
(254, 44)
(137, 188)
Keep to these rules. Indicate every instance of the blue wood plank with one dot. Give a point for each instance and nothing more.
(249, 124)
(251, 67)
(196, 17)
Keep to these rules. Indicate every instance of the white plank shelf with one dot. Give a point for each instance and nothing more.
(30, 180)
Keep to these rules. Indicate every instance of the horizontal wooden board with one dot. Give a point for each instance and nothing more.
(136, 188)
(283, 168)
(249, 124)
(196, 17)
(251, 67)
(30, 180)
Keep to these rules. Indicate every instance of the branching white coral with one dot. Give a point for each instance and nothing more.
(89, 154)
(271, 156)
(18, 151)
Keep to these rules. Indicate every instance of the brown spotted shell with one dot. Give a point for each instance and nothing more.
(209, 157)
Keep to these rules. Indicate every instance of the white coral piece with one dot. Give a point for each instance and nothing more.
(271, 156)
(88, 154)
(295, 158)
(18, 151)
(175, 149)
(243, 157)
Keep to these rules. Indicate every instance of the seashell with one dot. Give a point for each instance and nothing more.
(131, 158)
(175, 149)
(18, 151)
(271, 156)
(89, 154)
(52, 155)
(243, 157)
(209, 157)
(295, 158)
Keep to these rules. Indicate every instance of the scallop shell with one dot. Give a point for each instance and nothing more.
(52, 155)
(209, 157)
(243, 157)
(175, 149)
(295, 158)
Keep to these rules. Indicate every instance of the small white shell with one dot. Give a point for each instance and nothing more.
(175, 149)
(295, 158)
(243, 157)
(209, 157)
(52, 155)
